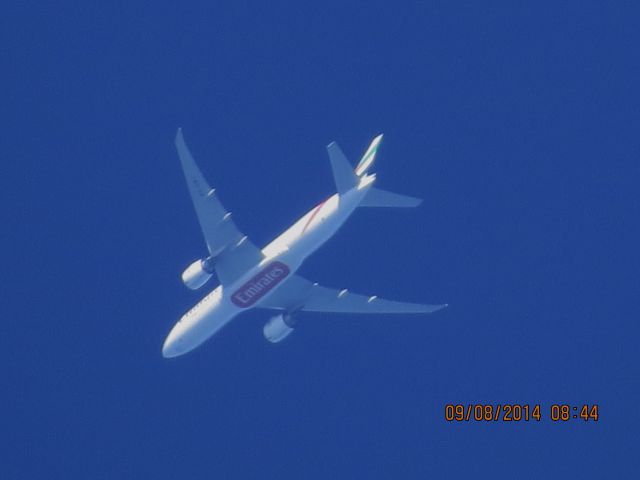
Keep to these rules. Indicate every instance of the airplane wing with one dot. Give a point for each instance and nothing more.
(299, 294)
(233, 252)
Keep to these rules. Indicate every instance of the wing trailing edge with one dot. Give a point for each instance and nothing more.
(299, 294)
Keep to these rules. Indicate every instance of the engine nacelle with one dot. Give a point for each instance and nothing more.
(197, 274)
(278, 328)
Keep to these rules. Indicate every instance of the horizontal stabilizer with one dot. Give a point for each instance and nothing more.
(343, 173)
(381, 198)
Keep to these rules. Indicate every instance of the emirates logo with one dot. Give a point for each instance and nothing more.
(256, 288)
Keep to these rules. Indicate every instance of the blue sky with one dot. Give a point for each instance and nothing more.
(518, 125)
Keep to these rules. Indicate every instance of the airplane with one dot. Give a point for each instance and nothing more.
(266, 278)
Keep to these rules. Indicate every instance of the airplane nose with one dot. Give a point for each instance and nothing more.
(171, 346)
(167, 349)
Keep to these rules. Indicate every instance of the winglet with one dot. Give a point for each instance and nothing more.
(179, 140)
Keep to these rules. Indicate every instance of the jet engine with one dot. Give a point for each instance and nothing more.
(279, 327)
(197, 274)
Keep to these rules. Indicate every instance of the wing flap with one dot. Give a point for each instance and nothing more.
(231, 264)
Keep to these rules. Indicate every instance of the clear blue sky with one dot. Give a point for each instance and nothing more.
(518, 125)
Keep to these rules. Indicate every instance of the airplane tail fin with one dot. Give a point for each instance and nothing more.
(377, 197)
(343, 173)
(345, 176)
(369, 156)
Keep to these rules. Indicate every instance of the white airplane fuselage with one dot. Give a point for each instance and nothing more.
(283, 257)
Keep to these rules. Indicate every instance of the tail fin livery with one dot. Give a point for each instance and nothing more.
(369, 156)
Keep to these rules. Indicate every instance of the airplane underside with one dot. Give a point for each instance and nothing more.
(266, 278)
